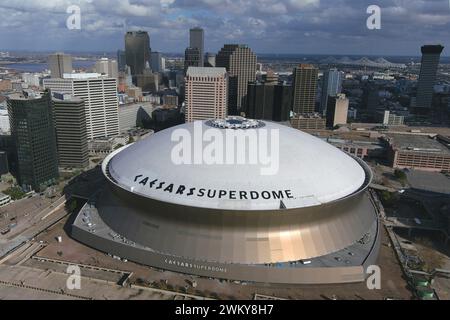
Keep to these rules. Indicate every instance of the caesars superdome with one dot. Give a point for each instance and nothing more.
(297, 214)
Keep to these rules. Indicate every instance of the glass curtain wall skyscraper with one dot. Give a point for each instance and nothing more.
(430, 62)
(33, 132)
(137, 51)
(331, 86)
(197, 40)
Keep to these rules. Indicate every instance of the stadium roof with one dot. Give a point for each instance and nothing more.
(310, 171)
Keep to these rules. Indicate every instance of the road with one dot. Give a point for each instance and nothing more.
(46, 218)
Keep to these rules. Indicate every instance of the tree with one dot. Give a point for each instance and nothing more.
(388, 198)
(399, 174)
(15, 193)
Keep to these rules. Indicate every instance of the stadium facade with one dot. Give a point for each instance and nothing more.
(312, 222)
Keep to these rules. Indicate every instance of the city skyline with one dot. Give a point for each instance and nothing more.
(296, 150)
(317, 27)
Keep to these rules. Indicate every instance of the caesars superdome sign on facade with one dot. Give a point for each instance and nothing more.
(188, 191)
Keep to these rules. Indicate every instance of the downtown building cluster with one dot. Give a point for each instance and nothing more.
(141, 87)
(309, 224)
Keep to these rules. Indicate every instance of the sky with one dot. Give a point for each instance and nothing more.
(267, 26)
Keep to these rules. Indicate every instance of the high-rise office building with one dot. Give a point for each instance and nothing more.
(156, 61)
(33, 133)
(148, 81)
(240, 62)
(71, 131)
(206, 93)
(282, 102)
(331, 86)
(305, 89)
(430, 62)
(260, 98)
(191, 58)
(107, 67)
(121, 60)
(337, 110)
(268, 101)
(137, 51)
(197, 40)
(100, 97)
(60, 63)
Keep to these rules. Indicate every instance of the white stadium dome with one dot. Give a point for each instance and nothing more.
(313, 171)
(177, 201)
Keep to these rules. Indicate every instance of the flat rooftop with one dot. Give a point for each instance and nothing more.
(25, 97)
(81, 76)
(356, 136)
(429, 181)
(445, 131)
(205, 72)
(417, 143)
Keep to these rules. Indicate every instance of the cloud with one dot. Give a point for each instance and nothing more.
(290, 26)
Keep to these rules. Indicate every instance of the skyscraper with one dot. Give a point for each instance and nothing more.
(337, 110)
(427, 78)
(268, 101)
(282, 102)
(206, 93)
(107, 67)
(60, 63)
(331, 86)
(137, 51)
(197, 40)
(100, 97)
(71, 132)
(156, 61)
(121, 60)
(240, 62)
(148, 81)
(33, 133)
(260, 98)
(191, 58)
(305, 89)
